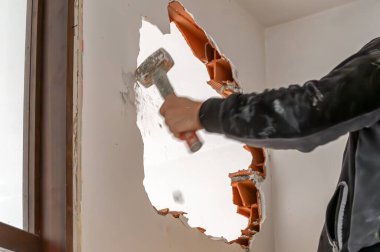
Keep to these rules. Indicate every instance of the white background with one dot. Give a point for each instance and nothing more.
(12, 57)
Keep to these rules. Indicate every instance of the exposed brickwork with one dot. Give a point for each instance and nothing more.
(246, 195)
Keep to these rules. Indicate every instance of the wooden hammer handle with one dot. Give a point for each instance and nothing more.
(192, 140)
(165, 88)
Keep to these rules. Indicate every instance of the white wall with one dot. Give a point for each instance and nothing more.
(298, 51)
(115, 205)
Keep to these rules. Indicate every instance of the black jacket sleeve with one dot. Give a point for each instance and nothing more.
(303, 117)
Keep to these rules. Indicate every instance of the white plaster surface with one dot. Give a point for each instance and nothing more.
(275, 12)
(296, 52)
(117, 214)
(12, 62)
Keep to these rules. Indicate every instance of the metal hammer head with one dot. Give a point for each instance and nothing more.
(159, 60)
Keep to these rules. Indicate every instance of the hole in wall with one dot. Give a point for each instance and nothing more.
(193, 183)
(197, 184)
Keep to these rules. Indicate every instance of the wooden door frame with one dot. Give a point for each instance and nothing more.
(57, 125)
(32, 118)
(48, 131)
(18, 240)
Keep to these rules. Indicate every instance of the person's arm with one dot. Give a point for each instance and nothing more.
(303, 117)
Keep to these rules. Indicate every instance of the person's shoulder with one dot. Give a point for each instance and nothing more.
(373, 44)
(375, 41)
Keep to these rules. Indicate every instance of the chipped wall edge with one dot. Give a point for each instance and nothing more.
(77, 127)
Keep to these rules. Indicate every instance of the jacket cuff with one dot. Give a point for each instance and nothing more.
(209, 115)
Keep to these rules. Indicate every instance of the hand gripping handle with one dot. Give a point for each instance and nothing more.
(165, 89)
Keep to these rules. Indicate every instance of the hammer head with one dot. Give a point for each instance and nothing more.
(159, 60)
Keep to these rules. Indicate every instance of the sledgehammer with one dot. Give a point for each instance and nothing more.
(153, 71)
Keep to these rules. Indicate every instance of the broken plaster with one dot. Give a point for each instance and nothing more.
(247, 195)
(223, 78)
(77, 125)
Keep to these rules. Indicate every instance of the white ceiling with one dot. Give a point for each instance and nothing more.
(273, 12)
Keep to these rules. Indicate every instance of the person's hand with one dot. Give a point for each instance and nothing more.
(181, 114)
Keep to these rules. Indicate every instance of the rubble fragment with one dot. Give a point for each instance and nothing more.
(166, 211)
